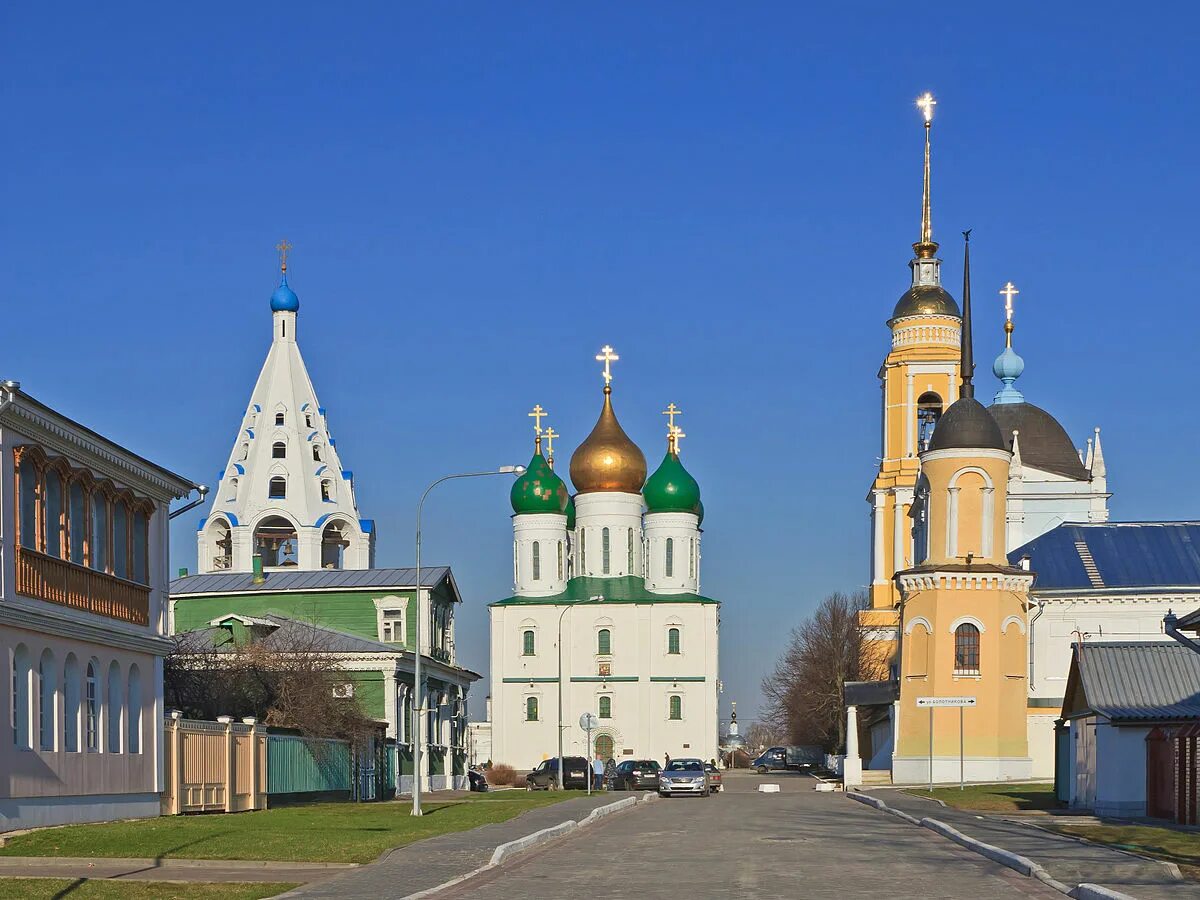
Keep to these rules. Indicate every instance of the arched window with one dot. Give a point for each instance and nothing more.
(120, 555)
(141, 536)
(604, 551)
(308, 420)
(326, 490)
(604, 642)
(966, 649)
(275, 542)
(583, 569)
(606, 707)
(71, 704)
(244, 451)
(531, 709)
(231, 488)
(692, 558)
(277, 488)
(675, 707)
(917, 650)
(133, 741)
(29, 503)
(279, 450)
(47, 695)
(21, 676)
(316, 452)
(99, 546)
(528, 642)
(113, 707)
(670, 558)
(537, 561)
(91, 709)
(279, 418)
(629, 554)
(220, 537)
(77, 518)
(929, 410)
(560, 560)
(54, 512)
(673, 641)
(334, 542)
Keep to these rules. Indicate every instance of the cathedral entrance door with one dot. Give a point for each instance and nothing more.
(605, 746)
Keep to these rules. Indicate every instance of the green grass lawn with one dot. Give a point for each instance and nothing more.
(1179, 847)
(314, 832)
(69, 889)
(995, 797)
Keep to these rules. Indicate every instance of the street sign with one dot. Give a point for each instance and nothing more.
(931, 702)
(589, 722)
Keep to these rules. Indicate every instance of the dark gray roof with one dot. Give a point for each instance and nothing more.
(1125, 556)
(290, 634)
(966, 425)
(1134, 681)
(926, 300)
(1044, 443)
(312, 580)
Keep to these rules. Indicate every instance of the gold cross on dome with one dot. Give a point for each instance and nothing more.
(674, 436)
(1008, 293)
(607, 357)
(537, 414)
(284, 248)
(671, 412)
(926, 103)
(550, 435)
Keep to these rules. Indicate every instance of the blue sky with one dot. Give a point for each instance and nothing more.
(481, 195)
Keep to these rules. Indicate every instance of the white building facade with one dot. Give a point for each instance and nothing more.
(606, 615)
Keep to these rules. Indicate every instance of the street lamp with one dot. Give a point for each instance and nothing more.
(419, 711)
(599, 598)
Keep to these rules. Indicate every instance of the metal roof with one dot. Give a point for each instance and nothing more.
(1134, 681)
(311, 580)
(288, 634)
(1122, 556)
(1044, 442)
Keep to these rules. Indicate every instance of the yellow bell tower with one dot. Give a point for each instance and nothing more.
(963, 609)
(918, 379)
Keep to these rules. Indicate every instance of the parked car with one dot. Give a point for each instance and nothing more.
(636, 775)
(716, 784)
(683, 776)
(798, 759)
(545, 776)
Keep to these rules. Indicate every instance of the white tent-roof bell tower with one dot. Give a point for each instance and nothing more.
(284, 494)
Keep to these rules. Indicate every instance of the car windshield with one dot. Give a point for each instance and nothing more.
(645, 764)
(685, 765)
(709, 767)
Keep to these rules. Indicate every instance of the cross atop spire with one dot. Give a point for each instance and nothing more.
(926, 247)
(674, 436)
(537, 414)
(671, 412)
(284, 248)
(1008, 293)
(608, 357)
(550, 434)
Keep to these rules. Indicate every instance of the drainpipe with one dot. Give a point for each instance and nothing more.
(1171, 631)
(1041, 608)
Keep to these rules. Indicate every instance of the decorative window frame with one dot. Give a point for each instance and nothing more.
(919, 620)
(390, 602)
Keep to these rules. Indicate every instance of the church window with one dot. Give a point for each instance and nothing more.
(604, 642)
(278, 418)
(516, 572)
(606, 707)
(537, 561)
(277, 488)
(47, 682)
(929, 410)
(334, 541)
(583, 569)
(244, 451)
(673, 641)
(91, 712)
(21, 673)
(670, 557)
(560, 560)
(133, 741)
(675, 707)
(71, 704)
(316, 452)
(279, 450)
(966, 649)
(692, 558)
(531, 709)
(231, 489)
(275, 542)
(629, 550)
(54, 524)
(528, 642)
(308, 420)
(604, 551)
(916, 650)
(326, 490)
(112, 711)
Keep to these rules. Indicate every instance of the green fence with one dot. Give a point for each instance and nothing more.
(298, 765)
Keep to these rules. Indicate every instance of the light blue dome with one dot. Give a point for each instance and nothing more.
(284, 299)
(1008, 368)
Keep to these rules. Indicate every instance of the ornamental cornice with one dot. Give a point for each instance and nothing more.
(915, 582)
(76, 628)
(95, 454)
(918, 330)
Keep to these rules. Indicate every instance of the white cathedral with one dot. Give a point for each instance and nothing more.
(606, 615)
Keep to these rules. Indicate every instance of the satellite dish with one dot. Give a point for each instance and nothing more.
(589, 722)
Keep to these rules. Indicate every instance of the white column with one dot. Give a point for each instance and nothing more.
(900, 531)
(852, 771)
(389, 702)
(877, 574)
(910, 419)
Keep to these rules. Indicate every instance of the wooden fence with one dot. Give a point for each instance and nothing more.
(214, 766)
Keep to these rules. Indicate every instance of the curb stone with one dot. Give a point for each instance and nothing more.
(1097, 892)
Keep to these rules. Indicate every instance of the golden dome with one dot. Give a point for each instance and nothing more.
(608, 460)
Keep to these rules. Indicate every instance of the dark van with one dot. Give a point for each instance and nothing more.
(545, 776)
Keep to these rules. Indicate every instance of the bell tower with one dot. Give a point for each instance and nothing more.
(917, 380)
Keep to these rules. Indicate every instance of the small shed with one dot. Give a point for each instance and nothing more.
(1117, 694)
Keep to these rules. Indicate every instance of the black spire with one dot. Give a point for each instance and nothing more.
(968, 353)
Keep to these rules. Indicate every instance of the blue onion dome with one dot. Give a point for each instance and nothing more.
(539, 490)
(571, 514)
(284, 299)
(671, 488)
(1008, 368)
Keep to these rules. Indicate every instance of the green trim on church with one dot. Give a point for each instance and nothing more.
(622, 589)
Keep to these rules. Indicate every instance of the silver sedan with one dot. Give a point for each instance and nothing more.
(683, 776)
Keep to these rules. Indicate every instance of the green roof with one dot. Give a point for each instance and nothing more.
(539, 490)
(671, 488)
(625, 589)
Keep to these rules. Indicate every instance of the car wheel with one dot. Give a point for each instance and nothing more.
(529, 786)
(762, 770)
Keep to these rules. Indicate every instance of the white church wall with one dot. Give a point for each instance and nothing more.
(621, 514)
(683, 531)
(548, 575)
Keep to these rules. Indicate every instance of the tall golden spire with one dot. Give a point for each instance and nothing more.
(926, 247)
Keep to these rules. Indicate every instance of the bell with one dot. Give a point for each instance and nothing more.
(287, 548)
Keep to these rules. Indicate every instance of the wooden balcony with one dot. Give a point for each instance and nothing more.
(58, 581)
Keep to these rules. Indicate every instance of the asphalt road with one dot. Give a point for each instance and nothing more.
(795, 844)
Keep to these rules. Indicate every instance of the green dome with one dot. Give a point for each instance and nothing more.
(571, 514)
(671, 488)
(539, 490)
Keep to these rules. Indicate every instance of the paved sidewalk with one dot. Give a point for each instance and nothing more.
(434, 861)
(1066, 859)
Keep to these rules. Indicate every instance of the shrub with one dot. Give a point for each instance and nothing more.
(500, 774)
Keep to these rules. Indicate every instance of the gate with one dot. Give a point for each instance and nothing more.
(1160, 773)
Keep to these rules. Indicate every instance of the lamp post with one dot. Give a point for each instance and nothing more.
(418, 705)
(599, 598)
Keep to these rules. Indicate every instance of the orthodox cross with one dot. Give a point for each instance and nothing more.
(607, 357)
(550, 435)
(1008, 293)
(537, 414)
(283, 247)
(674, 436)
(926, 104)
(671, 412)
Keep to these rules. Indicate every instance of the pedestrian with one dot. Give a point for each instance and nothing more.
(668, 755)
(597, 772)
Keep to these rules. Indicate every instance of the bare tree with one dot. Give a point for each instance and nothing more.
(804, 691)
(761, 735)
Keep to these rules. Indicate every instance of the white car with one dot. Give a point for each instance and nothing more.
(683, 776)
